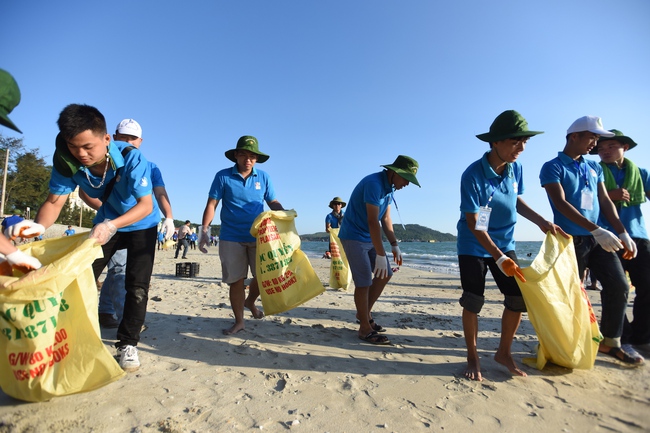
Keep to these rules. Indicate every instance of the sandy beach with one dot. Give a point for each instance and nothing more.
(306, 370)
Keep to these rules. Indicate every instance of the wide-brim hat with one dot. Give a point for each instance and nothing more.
(337, 200)
(509, 124)
(9, 98)
(618, 136)
(247, 142)
(406, 167)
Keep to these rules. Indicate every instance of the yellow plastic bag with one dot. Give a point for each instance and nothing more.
(50, 343)
(558, 307)
(284, 273)
(340, 275)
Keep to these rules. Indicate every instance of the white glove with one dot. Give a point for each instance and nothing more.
(381, 267)
(24, 229)
(204, 239)
(22, 260)
(103, 232)
(168, 228)
(607, 240)
(397, 255)
(630, 246)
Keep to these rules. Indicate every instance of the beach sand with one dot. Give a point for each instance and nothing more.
(306, 370)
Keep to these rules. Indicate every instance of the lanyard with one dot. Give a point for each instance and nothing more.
(392, 197)
(494, 189)
(579, 167)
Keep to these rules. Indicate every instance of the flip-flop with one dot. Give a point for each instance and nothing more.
(374, 338)
(375, 326)
(623, 356)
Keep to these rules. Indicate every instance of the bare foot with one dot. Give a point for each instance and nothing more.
(234, 329)
(506, 359)
(257, 313)
(473, 370)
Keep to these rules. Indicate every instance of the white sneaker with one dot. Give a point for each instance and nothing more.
(128, 358)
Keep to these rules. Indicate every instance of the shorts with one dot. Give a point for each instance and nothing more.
(361, 258)
(473, 270)
(236, 258)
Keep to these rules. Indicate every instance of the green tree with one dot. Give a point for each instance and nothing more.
(27, 176)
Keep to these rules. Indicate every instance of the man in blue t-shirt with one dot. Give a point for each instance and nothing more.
(628, 186)
(333, 219)
(490, 199)
(85, 156)
(69, 232)
(576, 190)
(361, 237)
(113, 291)
(242, 190)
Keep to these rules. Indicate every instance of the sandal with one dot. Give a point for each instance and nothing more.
(374, 338)
(623, 356)
(375, 326)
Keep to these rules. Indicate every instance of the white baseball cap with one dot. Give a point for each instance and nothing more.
(589, 123)
(129, 127)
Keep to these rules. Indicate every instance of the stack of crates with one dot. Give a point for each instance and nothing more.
(187, 269)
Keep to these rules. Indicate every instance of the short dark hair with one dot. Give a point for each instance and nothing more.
(77, 118)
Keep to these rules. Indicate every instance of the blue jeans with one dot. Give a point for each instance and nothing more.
(638, 331)
(141, 249)
(113, 292)
(606, 268)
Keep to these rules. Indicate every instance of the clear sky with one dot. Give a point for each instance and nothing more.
(333, 89)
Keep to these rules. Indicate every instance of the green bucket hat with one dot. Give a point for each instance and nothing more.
(406, 167)
(9, 98)
(618, 136)
(247, 142)
(508, 124)
(337, 200)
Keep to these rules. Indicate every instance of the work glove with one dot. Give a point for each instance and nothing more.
(204, 239)
(629, 245)
(510, 268)
(24, 229)
(381, 267)
(397, 255)
(168, 228)
(103, 232)
(607, 240)
(23, 262)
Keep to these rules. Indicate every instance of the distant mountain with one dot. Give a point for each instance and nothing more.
(413, 233)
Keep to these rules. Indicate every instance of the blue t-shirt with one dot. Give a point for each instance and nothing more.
(69, 232)
(156, 176)
(373, 189)
(630, 216)
(133, 183)
(574, 176)
(332, 220)
(478, 183)
(242, 200)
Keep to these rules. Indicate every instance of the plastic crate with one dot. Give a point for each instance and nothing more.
(187, 269)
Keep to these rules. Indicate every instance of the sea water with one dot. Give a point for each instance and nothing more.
(438, 257)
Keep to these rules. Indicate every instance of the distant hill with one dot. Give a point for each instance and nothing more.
(413, 233)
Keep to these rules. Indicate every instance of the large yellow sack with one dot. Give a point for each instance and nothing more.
(50, 343)
(558, 307)
(284, 273)
(340, 275)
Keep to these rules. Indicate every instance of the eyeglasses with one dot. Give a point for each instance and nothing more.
(251, 156)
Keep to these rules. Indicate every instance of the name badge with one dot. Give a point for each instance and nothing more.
(587, 199)
(483, 220)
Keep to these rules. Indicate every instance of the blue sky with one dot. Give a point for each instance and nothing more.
(332, 90)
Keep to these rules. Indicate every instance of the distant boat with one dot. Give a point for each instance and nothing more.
(432, 240)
